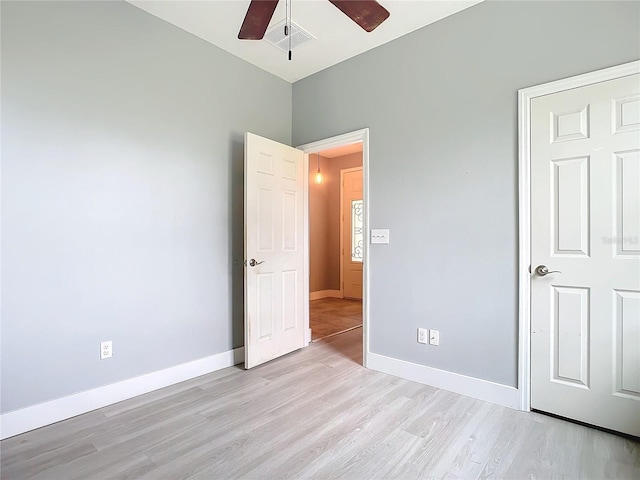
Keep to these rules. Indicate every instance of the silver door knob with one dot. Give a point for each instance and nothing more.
(542, 270)
(253, 263)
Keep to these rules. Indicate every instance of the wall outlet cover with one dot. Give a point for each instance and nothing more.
(106, 349)
(422, 335)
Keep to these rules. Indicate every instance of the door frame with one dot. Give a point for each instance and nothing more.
(358, 136)
(525, 96)
(342, 172)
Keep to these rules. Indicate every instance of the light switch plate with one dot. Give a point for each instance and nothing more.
(380, 235)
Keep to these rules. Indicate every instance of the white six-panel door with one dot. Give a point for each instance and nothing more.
(274, 254)
(585, 219)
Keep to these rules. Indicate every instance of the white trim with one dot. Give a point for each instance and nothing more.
(339, 141)
(525, 96)
(453, 382)
(319, 294)
(41, 414)
(342, 173)
(305, 246)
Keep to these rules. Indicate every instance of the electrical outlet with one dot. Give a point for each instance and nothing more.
(422, 335)
(106, 350)
(434, 337)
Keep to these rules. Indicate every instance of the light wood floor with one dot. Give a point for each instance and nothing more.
(330, 316)
(316, 413)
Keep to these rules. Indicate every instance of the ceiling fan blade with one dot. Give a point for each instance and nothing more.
(257, 19)
(366, 13)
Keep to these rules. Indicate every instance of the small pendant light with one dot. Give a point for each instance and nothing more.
(318, 178)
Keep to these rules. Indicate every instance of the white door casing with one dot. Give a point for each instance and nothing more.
(350, 270)
(358, 136)
(274, 238)
(585, 223)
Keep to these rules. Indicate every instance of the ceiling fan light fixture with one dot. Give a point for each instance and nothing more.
(368, 14)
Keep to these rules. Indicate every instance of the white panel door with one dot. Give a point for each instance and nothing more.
(352, 232)
(585, 214)
(274, 235)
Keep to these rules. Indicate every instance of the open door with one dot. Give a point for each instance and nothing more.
(273, 249)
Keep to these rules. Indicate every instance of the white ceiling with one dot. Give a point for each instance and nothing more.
(337, 37)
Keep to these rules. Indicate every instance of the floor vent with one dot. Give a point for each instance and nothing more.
(275, 36)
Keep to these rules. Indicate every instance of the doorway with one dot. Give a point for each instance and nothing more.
(336, 241)
(330, 311)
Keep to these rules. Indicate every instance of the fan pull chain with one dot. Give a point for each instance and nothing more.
(286, 16)
(290, 5)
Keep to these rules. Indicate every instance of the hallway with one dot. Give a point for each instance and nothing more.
(330, 316)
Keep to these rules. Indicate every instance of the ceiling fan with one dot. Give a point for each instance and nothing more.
(366, 13)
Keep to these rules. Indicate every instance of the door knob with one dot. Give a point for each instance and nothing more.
(253, 263)
(542, 270)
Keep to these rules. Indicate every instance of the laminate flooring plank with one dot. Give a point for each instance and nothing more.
(98, 467)
(445, 430)
(50, 436)
(62, 454)
(446, 436)
(251, 428)
(229, 454)
(316, 421)
(324, 433)
(143, 437)
(255, 461)
(486, 449)
(351, 450)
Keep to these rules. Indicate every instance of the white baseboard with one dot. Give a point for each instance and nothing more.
(453, 382)
(39, 415)
(325, 294)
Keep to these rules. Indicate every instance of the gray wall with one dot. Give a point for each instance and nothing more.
(122, 153)
(441, 106)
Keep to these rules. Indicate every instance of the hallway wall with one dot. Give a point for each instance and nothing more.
(324, 221)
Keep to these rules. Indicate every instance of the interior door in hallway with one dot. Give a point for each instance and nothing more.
(274, 250)
(585, 286)
(352, 233)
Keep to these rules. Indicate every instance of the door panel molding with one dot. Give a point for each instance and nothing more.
(525, 96)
